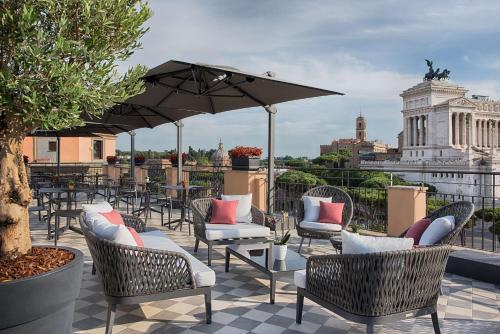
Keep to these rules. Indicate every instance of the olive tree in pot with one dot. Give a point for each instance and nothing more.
(58, 59)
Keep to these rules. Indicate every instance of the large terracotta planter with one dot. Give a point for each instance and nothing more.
(42, 304)
(245, 163)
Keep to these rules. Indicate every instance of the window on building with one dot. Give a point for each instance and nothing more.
(441, 153)
(52, 146)
(97, 150)
(416, 153)
(411, 153)
(422, 153)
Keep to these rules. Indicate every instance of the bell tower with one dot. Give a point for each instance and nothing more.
(360, 128)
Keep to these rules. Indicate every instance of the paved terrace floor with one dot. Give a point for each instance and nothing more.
(241, 301)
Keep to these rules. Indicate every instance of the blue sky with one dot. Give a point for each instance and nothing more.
(369, 50)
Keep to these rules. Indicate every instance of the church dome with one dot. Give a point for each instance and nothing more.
(220, 157)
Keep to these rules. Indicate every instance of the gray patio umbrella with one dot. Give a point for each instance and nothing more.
(176, 90)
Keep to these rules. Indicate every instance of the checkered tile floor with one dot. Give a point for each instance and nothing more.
(241, 302)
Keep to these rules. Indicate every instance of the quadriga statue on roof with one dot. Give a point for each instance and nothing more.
(435, 74)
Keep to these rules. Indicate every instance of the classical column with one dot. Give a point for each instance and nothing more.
(483, 133)
(414, 131)
(405, 132)
(464, 130)
(456, 135)
(488, 133)
(422, 130)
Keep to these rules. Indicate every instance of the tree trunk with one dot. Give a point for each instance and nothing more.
(15, 196)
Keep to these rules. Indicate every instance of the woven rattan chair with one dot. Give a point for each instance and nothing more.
(202, 211)
(462, 211)
(339, 196)
(376, 288)
(132, 275)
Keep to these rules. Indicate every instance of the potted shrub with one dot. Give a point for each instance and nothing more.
(26, 159)
(111, 159)
(71, 184)
(280, 247)
(139, 160)
(174, 158)
(245, 158)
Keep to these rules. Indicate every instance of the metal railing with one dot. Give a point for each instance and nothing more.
(370, 197)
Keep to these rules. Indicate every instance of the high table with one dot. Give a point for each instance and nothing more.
(69, 212)
(184, 199)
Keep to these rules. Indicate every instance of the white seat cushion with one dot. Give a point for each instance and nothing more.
(321, 226)
(203, 275)
(353, 243)
(235, 231)
(299, 278)
(97, 207)
(244, 209)
(437, 230)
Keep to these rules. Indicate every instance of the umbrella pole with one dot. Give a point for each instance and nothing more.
(58, 155)
(132, 154)
(179, 151)
(271, 113)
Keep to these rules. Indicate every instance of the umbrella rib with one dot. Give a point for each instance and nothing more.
(164, 75)
(210, 100)
(172, 92)
(159, 114)
(245, 93)
(177, 87)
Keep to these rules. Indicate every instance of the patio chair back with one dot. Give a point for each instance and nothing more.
(379, 284)
(128, 271)
(338, 196)
(462, 211)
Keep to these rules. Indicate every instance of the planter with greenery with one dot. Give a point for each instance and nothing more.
(245, 158)
(280, 246)
(58, 60)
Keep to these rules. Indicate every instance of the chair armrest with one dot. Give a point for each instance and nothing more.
(258, 216)
(127, 271)
(380, 283)
(135, 222)
(201, 208)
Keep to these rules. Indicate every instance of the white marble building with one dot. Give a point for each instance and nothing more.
(449, 135)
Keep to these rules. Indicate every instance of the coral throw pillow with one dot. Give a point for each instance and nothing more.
(416, 230)
(136, 236)
(330, 213)
(114, 217)
(223, 212)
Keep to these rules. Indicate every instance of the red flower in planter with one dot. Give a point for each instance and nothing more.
(139, 159)
(245, 151)
(111, 159)
(173, 158)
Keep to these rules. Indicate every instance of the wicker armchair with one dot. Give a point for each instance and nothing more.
(132, 275)
(338, 195)
(376, 288)
(202, 211)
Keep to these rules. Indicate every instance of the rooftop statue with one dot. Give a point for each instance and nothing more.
(435, 74)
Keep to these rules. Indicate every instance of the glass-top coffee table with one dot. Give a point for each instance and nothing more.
(260, 257)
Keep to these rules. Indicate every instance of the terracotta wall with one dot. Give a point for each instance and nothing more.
(29, 148)
(246, 182)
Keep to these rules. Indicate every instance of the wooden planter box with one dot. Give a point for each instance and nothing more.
(245, 163)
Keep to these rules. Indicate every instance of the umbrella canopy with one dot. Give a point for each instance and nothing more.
(177, 89)
(172, 86)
